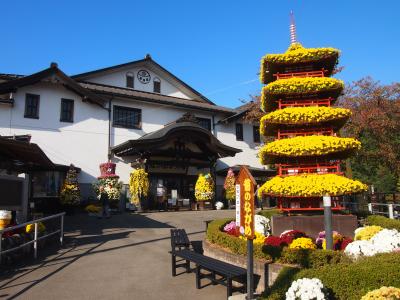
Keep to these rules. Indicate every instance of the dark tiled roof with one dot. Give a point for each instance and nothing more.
(8, 77)
(12, 85)
(153, 97)
(153, 140)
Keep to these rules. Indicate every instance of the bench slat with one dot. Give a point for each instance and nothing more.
(210, 263)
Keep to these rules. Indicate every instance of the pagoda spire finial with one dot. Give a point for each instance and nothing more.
(293, 36)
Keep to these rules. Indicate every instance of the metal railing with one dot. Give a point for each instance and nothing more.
(36, 237)
(390, 210)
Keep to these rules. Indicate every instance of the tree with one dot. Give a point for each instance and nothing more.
(376, 123)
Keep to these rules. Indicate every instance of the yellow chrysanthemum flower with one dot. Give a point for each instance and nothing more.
(311, 185)
(302, 115)
(313, 145)
(297, 86)
(296, 53)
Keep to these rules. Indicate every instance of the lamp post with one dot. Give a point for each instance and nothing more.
(328, 221)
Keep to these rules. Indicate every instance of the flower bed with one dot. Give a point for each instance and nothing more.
(311, 185)
(300, 86)
(303, 115)
(273, 249)
(314, 145)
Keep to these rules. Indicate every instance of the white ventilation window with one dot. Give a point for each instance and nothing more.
(156, 85)
(129, 80)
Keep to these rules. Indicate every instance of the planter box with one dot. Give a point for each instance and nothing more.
(265, 273)
(312, 225)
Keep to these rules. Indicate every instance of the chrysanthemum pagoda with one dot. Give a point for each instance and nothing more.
(307, 151)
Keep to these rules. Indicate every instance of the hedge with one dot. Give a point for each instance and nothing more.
(383, 222)
(346, 281)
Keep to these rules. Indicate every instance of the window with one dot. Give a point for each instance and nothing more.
(239, 132)
(32, 106)
(256, 134)
(157, 85)
(129, 80)
(127, 117)
(67, 110)
(205, 123)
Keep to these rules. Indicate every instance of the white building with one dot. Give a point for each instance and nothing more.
(88, 118)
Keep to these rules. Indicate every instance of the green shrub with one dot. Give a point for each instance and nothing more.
(308, 258)
(346, 281)
(383, 222)
(234, 244)
(268, 213)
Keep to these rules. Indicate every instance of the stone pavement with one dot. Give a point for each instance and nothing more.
(125, 257)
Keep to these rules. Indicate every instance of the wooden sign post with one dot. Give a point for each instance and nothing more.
(245, 184)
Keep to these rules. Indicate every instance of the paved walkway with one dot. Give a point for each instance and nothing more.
(125, 257)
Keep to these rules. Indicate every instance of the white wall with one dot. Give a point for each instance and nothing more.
(83, 143)
(226, 133)
(118, 78)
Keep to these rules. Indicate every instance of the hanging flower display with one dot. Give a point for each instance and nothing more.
(109, 180)
(111, 186)
(311, 185)
(312, 145)
(70, 194)
(138, 185)
(204, 189)
(229, 186)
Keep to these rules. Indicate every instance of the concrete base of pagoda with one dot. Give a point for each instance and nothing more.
(312, 225)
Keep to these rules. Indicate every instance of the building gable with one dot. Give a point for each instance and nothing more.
(143, 75)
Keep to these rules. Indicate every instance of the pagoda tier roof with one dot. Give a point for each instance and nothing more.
(307, 118)
(296, 59)
(300, 89)
(311, 185)
(308, 147)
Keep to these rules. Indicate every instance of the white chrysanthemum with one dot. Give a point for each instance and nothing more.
(306, 289)
(5, 215)
(360, 248)
(384, 241)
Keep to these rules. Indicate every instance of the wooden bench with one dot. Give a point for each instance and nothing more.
(226, 272)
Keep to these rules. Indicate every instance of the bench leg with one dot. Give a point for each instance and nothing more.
(229, 287)
(214, 278)
(198, 278)
(188, 266)
(173, 264)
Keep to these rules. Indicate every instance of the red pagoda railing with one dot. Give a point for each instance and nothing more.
(305, 204)
(284, 134)
(318, 168)
(304, 103)
(320, 73)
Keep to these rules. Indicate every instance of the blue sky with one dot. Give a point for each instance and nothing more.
(214, 46)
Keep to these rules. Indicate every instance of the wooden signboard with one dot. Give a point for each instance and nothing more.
(247, 184)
